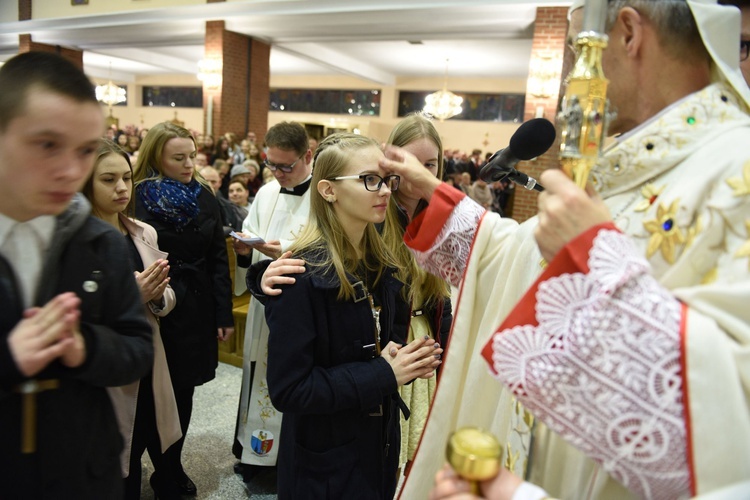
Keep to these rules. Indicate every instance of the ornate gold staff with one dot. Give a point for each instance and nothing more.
(584, 115)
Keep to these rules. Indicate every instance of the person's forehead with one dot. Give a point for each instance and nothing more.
(365, 160)
(745, 11)
(112, 163)
(274, 152)
(179, 144)
(48, 113)
(422, 146)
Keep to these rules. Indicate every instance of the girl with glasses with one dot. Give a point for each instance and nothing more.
(427, 295)
(335, 360)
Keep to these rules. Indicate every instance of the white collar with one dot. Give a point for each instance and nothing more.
(651, 120)
(43, 226)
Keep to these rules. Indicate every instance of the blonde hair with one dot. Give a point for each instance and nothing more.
(149, 164)
(430, 287)
(324, 232)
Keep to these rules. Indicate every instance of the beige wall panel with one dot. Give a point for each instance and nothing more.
(49, 9)
(8, 11)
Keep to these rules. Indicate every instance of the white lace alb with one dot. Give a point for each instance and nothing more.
(602, 369)
(449, 253)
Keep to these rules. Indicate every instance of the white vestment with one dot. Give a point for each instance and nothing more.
(273, 216)
(679, 188)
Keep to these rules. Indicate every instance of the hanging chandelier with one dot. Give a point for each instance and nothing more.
(443, 104)
(110, 94)
(210, 73)
(544, 76)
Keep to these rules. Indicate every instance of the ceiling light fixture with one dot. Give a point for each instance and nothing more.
(111, 94)
(209, 72)
(443, 104)
(544, 76)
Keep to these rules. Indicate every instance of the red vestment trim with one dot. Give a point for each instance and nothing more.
(686, 401)
(422, 232)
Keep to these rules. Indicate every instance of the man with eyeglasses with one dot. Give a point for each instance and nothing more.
(278, 213)
(744, 6)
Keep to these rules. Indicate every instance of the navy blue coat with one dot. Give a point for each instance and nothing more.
(78, 441)
(329, 384)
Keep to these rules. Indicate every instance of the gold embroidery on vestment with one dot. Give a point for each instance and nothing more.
(665, 234)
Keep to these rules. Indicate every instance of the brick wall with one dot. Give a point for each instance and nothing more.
(550, 29)
(25, 44)
(260, 94)
(24, 10)
(241, 103)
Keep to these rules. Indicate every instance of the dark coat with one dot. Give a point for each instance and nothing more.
(440, 316)
(78, 440)
(199, 274)
(327, 382)
(232, 216)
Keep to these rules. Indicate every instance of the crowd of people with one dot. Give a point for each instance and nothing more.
(462, 172)
(393, 300)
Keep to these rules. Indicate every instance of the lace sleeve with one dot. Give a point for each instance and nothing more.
(449, 254)
(603, 369)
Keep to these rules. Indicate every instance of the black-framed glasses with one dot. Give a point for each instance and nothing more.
(273, 167)
(374, 182)
(744, 49)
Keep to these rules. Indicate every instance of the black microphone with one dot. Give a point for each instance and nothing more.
(532, 139)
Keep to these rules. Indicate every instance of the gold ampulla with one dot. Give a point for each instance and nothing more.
(584, 116)
(474, 454)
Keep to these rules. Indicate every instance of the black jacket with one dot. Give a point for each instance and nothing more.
(199, 273)
(232, 216)
(78, 441)
(324, 376)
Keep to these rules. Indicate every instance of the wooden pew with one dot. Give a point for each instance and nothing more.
(230, 352)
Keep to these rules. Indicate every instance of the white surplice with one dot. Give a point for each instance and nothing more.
(272, 216)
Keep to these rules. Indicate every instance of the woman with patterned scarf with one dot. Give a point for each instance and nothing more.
(181, 207)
